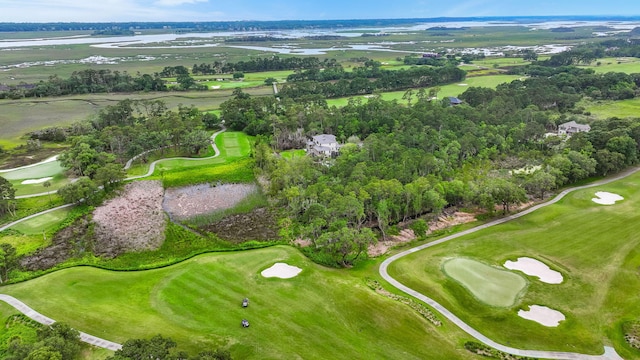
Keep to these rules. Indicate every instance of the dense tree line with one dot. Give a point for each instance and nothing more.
(162, 348)
(86, 82)
(427, 156)
(366, 80)
(57, 341)
(100, 147)
(575, 83)
(273, 63)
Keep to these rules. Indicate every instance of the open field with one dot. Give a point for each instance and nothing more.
(491, 285)
(598, 257)
(609, 108)
(625, 65)
(447, 90)
(197, 303)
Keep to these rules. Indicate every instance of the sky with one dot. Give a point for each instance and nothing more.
(227, 10)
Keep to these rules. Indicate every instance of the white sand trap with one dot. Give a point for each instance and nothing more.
(216, 87)
(533, 267)
(463, 84)
(606, 198)
(35, 181)
(281, 270)
(542, 315)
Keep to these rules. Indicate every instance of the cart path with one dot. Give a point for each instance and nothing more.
(152, 168)
(29, 312)
(609, 352)
(53, 158)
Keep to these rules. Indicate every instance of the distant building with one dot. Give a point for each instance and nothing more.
(572, 127)
(323, 145)
(431, 55)
(453, 101)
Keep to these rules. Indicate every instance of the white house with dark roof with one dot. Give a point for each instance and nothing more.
(324, 145)
(572, 127)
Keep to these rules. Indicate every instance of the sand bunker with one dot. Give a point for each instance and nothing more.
(533, 267)
(281, 270)
(35, 181)
(215, 87)
(463, 84)
(542, 315)
(606, 198)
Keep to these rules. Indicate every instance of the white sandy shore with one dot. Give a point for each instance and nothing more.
(35, 181)
(606, 198)
(281, 270)
(533, 267)
(542, 315)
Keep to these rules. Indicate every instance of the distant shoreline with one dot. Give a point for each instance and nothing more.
(298, 24)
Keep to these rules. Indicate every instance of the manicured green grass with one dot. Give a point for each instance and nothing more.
(24, 244)
(235, 144)
(50, 168)
(491, 285)
(625, 65)
(237, 171)
(595, 247)
(197, 303)
(29, 206)
(42, 223)
(608, 109)
(289, 154)
(231, 144)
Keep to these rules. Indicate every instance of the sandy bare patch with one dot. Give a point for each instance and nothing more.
(36, 181)
(542, 315)
(282, 271)
(381, 247)
(606, 198)
(407, 235)
(445, 221)
(215, 87)
(463, 84)
(183, 203)
(131, 221)
(533, 267)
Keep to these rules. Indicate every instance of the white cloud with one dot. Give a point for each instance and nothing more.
(178, 2)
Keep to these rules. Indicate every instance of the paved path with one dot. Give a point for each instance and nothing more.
(5, 227)
(54, 158)
(90, 339)
(609, 352)
(152, 168)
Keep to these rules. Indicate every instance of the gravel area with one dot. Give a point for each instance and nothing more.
(132, 221)
(183, 203)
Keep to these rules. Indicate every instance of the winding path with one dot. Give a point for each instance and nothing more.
(152, 168)
(609, 352)
(29, 312)
(23, 308)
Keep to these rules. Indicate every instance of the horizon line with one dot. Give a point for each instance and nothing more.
(456, 18)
